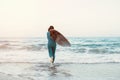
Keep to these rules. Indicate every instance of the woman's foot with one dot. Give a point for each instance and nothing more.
(51, 60)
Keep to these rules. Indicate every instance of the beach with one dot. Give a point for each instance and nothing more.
(86, 59)
(61, 71)
(80, 37)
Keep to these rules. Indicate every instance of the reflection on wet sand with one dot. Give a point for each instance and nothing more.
(54, 71)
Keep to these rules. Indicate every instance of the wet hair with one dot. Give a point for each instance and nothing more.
(51, 27)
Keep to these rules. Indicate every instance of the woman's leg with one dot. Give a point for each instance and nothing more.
(53, 50)
(50, 53)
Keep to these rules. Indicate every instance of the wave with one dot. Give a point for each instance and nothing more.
(61, 57)
(22, 47)
(74, 48)
(78, 45)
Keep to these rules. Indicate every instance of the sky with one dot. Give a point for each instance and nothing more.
(79, 18)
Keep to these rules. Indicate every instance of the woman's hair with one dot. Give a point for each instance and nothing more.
(52, 33)
(51, 27)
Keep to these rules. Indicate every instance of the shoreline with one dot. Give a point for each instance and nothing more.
(64, 71)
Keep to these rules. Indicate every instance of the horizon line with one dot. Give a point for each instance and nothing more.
(65, 36)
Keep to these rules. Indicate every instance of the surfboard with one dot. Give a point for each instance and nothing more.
(59, 38)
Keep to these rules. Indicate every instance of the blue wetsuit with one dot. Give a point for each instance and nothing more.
(51, 46)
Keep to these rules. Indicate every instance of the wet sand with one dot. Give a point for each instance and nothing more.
(61, 71)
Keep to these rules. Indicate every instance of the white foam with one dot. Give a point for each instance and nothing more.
(61, 57)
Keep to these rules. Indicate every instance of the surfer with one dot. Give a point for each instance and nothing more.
(51, 45)
(54, 37)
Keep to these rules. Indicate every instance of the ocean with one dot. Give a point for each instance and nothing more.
(82, 50)
(88, 58)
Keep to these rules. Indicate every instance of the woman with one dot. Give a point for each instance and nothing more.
(51, 45)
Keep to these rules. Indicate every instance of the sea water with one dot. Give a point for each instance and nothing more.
(82, 50)
(88, 58)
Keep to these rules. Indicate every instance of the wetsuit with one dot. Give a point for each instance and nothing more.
(51, 46)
